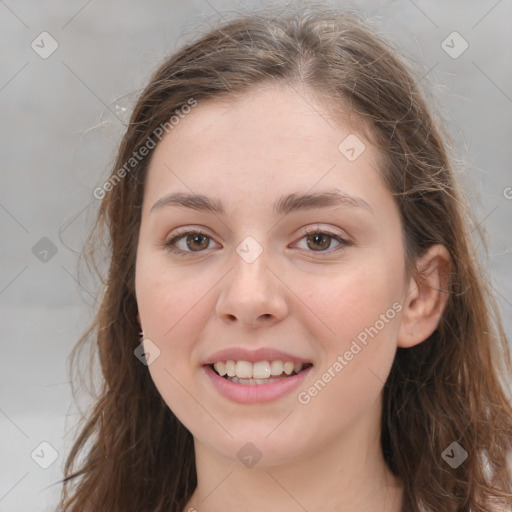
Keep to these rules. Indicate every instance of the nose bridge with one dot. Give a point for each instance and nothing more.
(251, 292)
(251, 265)
(251, 274)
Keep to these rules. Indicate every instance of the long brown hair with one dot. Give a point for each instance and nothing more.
(450, 388)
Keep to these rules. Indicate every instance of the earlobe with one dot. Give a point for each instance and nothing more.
(427, 297)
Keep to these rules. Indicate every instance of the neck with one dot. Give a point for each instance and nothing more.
(348, 473)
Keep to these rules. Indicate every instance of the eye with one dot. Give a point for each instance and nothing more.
(193, 238)
(322, 239)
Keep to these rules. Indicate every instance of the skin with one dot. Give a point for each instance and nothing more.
(306, 299)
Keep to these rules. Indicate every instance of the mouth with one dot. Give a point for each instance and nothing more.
(257, 373)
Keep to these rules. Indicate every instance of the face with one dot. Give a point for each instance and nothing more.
(264, 279)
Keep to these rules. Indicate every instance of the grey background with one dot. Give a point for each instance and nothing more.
(58, 136)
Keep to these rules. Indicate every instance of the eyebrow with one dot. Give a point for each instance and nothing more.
(283, 206)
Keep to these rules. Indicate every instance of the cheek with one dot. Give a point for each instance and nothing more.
(355, 300)
(360, 315)
(167, 299)
(170, 307)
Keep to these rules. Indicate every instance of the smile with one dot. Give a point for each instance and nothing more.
(261, 381)
(257, 373)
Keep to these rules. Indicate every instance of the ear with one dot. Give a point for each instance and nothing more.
(426, 298)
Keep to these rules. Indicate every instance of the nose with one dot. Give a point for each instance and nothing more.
(252, 294)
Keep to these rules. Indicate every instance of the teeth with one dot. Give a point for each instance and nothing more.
(220, 368)
(276, 368)
(288, 368)
(243, 370)
(261, 370)
(252, 382)
(230, 368)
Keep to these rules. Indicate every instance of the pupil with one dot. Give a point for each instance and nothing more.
(320, 236)
(195, 239)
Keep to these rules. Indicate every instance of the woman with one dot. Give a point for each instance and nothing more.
(323, 343)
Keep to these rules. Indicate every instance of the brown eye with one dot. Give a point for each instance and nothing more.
(195, 241)
(321, 240)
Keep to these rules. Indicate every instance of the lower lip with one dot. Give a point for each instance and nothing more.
(244, 393)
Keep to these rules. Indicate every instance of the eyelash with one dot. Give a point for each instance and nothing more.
(191, 231)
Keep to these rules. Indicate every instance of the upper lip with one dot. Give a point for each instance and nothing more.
(253, 356)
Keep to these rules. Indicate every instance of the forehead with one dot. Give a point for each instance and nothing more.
(273, 139)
